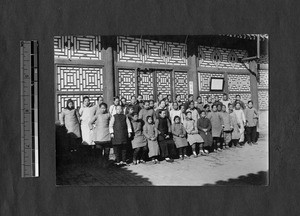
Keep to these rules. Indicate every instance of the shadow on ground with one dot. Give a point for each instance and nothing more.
(77, 164)
(97, 173)
(260, 178)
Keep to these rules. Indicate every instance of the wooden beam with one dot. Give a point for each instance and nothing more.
(108, 78)
(192, 51)
(81, 62)
(226, 89)
(222, 70)
(79, 92)
(253, 84)
(153, 66)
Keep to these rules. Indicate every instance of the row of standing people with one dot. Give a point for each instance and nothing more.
(157, 128)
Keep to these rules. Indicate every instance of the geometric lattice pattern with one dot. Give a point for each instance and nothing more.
(72, 78)
(245, 97)
(216, 57)
(204, 99)
(130, 49)
(77, 47)
(154, 52)
(263, 99)
(204, 80)
(238, 82)
(176, 53)
(127, 83)
(77, 98)
(263, 79)
(163, 79)
(145, 84)
(138, 50)
(181, 84)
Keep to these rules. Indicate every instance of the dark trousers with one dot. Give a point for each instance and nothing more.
(120, 152)
(167, 148)
(194, 146)
(251, 134)
(182, 151)
(234, 142)
(103, 149)
(216, 142)
(139, 153)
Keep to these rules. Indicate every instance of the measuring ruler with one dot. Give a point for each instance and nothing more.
(29, 109)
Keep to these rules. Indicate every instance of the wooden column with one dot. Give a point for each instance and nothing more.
(108, 76)
(253, 83)
(192, 62)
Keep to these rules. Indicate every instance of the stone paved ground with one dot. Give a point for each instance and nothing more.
(236, 166)
(221, 166)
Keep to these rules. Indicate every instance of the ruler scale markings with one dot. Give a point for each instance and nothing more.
(29, 108)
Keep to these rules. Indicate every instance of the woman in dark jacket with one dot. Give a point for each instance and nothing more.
(204, 128)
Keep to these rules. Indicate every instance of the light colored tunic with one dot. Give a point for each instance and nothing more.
(139, 140)
(195, 114)
(144, 113)
(226, 104)
(216, 123)
(101, 130)
(112, 110)
(251, 117)
(150, 131)
(177, 130)
(241, 119)
(227, 121)
(174, 113)
(236, 132)
(70, 118)
(86, 114)
(192, 132)
(228, 127)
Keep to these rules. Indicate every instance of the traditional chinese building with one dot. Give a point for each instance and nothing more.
(126, 65)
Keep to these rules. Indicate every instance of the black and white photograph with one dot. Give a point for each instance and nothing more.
(162, 110)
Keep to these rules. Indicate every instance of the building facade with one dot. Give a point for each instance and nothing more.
(111, 66)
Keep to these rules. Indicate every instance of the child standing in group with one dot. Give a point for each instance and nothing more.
(130, 111)
(216, 123)
(69, 117)
(241, 119)
(165, 142)
(139, 142)
(227, 127)
(193, 110)
(251, 123)
(192, 134)
(178, 100)
(235, 134)
(162, 106)
(101, 135)
(120, 130)
(146, 111)
(204, 129)
(175, 112)
(182, 115)
(179, 134)
(86, 113)
(113, 108)
(151, 104)
(150, 132)
(206, 108)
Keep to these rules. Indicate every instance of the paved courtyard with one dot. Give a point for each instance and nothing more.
(235, 166)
